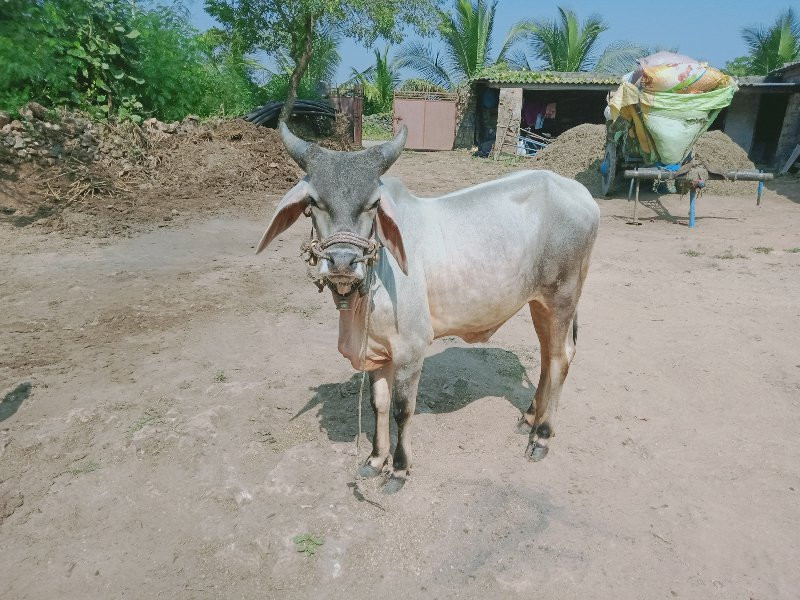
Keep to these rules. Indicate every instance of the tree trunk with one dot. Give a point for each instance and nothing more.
(299, 69)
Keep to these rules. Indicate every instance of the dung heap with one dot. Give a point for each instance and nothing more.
(63, 171)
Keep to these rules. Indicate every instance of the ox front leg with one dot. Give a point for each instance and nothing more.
(554, 327)
(381, 380)
(406, 382)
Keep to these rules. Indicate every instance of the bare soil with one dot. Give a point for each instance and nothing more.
(175, 412)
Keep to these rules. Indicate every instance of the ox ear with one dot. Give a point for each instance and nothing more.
(389, 231)
(289, 209)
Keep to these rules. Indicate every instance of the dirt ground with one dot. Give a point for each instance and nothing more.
(175, 413)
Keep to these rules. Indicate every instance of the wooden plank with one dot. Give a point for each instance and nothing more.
(792, 159)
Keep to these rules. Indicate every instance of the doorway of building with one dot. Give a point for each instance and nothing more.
(769, 122)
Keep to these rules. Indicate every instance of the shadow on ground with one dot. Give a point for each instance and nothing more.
(14, 399)
(787, 186)
(450, 381)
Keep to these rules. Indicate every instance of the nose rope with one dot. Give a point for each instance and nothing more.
(315, 249)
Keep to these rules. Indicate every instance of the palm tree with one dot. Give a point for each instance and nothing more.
(775, 45)
(379, 82)
(467, 37)
(566, 44)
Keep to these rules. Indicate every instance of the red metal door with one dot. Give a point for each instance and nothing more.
(440, 124)
(430, 118)
(410, 113)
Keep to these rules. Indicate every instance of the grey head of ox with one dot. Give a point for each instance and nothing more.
(343, 193)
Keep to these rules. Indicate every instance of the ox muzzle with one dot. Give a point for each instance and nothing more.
(344, 259)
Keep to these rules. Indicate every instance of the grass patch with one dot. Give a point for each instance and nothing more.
(377, 127)
(84, 468)
(374, 131)
(307, 543)
(763, 249)
(793, 250)
(220, 377)
(151, 415)
(692, 253)
(728, 255)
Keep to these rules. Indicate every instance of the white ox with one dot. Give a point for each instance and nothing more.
(458, 265)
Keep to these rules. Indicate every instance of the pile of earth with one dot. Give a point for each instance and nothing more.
(714, 148)
(578, 152)
(85, 177)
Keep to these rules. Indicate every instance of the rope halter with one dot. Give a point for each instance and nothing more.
(315, 249)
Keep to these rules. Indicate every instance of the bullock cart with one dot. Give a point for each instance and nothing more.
(653, 121)
(688, 178)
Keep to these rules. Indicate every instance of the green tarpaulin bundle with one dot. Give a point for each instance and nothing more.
(667, 124)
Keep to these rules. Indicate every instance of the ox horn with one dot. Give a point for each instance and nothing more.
(297, 148)
(390, 151)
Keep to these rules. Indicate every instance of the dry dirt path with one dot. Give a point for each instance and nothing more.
(188, 415)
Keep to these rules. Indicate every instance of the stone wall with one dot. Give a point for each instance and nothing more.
(466, 117)
(509, 110)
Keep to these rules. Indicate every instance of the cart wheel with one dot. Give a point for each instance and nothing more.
(608, 169)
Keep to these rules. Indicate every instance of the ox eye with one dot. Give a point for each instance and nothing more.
(313, 203)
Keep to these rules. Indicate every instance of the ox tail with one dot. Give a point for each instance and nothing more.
(575, 328)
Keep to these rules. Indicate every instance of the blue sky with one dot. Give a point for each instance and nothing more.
(704, 30)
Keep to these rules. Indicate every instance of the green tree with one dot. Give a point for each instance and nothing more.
(120, 58)
(84, 53)
(566, 44)
(771, 47)
(271, 25)
(467, 37)
(325, 60)
(739, 66)
(185, 71)
(379, 82)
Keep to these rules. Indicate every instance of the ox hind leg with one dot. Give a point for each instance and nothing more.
(554, 321)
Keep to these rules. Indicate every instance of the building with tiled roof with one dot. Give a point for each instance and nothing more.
(764, 117)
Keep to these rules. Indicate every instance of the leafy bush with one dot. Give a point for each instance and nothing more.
(377, 126)
(81, 56)
(116, 58)
(184, 71)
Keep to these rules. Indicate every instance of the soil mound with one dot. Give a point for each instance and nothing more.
(717, 149)
(578, 152)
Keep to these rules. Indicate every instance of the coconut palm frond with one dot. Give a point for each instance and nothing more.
(519, 31)
(565, 44)
(467, 34)
(620, 58)
(771, 47)
(518, 59)
(422, 59)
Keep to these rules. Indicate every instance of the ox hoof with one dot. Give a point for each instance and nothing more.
(393, 484)
(535, 452)
(367, 470)
(523, 427)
